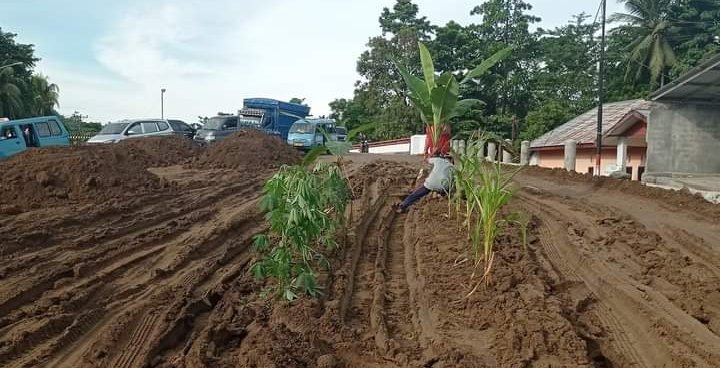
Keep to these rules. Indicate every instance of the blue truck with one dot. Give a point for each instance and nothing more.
(271, 116)
(18, 135)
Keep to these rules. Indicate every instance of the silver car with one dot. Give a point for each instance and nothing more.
(124, 129)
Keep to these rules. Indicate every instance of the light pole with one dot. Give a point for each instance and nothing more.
(9, 65)
(162, 103)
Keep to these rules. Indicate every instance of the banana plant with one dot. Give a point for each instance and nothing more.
(437, 97)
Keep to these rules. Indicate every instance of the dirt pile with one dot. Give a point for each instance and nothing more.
(247, 150)
(48, 176)
(678, 198)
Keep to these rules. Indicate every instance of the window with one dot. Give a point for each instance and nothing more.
(179, 126)
(162, 125)
(54, 127)
(43, 129)
(134, 129)
(591, 171)
(230, 125)
(9, 132)
(149, 127)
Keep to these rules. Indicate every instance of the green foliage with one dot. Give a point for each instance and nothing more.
(437, 100)
(22, 93)
(45, 95)
(480, 191)
(304, 208)
(76, 125)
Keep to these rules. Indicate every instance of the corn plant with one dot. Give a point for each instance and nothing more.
(491, 194)
(304, 208)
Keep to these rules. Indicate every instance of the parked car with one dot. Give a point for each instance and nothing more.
(217, 127)
(124, 129)
(18, 135)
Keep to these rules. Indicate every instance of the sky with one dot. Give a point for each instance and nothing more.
(111, 58)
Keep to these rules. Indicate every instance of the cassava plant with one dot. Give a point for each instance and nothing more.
(436, 97)
(304, 207)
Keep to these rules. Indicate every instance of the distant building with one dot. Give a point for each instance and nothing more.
(624, 146)
(684, 133)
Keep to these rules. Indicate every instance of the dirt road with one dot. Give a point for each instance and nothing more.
(608, 279)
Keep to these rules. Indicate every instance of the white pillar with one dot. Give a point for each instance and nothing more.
(621, 153)
(570, 149)
(506, 155)
(524, 153)
(492, 151)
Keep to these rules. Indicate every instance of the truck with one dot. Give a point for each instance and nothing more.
(271, 116)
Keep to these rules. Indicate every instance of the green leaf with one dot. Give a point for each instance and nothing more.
(427, 66)
(419, 94)
(464, 106)
(261, 242)
(444, 98)
(487, 64)
(312, 156)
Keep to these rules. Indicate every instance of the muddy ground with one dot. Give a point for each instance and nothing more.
(159, 277)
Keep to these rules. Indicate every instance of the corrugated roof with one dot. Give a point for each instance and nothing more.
(700, 84)
(582, 129)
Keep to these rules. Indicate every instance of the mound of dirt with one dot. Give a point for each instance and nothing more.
(49, 176)
(247, 150)
(678, 198)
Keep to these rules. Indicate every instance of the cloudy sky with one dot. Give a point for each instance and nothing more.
(110, 58)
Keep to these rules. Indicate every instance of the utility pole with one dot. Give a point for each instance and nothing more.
(162, 103)
(601, 92)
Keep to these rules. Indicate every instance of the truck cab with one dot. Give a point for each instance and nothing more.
(18, 135)
(306, 134)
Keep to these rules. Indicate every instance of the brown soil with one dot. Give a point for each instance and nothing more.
(48, 176)
(608, 279)
(249, 150)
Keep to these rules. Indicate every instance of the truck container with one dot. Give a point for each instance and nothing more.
(270, 116)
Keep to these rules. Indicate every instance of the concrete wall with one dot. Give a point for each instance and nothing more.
(585, 159)
(683, 138)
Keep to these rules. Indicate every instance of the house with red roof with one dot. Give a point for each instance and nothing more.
(624, 144)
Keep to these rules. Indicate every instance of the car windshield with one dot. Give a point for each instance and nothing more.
(217, 122)
(302, 128)
(113, 128)
(340, 130)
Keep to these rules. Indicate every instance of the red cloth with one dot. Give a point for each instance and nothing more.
(444, 142)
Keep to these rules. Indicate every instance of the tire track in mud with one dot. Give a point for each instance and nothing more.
(637, 319)
(116, 269)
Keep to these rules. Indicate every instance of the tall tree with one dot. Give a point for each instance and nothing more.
(11, 97)
(45, 95)
(381, 89)
(508, 90)
(648, 25)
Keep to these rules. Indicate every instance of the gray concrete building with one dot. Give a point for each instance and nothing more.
(683, 133)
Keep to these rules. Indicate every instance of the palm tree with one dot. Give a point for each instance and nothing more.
(648, 26)
(45, 95)
(11, 105)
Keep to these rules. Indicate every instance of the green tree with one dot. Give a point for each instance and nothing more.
(696, 32)
(508, 90)
(648, 26)
(11, 103)
(45, 95)
(298, 100)
(76, 124)
(381, 91)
